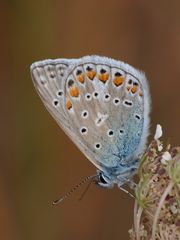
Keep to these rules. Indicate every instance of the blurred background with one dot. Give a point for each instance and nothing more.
(38, 162)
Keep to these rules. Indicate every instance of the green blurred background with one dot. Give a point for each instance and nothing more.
(38, 162)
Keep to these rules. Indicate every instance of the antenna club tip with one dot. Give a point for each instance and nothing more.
(55, 202)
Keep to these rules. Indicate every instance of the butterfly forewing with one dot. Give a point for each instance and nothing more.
(48, 79)
(100, 104)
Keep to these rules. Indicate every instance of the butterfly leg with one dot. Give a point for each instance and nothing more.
(131, 184)
(126, 191)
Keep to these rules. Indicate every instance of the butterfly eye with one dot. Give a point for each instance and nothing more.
(102, 180)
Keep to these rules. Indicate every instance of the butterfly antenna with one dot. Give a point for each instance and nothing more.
(68, 194)
(92, 180)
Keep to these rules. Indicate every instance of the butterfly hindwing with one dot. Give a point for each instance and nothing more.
(99, 103)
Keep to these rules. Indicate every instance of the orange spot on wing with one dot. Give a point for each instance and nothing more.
(140, 94)
(103, 77)
(118, 80)
(74, 91)
(81, 78)
(91, 74)
(134, 89)
(69, 104)
(128, 88)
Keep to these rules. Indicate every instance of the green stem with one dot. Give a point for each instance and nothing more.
(137, 218)
(162, 199)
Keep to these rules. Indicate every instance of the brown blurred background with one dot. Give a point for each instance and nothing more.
(38, 162)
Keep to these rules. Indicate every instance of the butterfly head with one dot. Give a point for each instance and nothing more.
(103, 180)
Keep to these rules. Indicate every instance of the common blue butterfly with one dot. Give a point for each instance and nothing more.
(103, 106)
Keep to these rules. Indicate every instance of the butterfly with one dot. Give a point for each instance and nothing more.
(103, 106)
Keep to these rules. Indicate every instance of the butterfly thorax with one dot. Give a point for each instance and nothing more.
(111, 176)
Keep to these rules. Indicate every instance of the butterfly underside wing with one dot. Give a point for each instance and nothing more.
(102, 105)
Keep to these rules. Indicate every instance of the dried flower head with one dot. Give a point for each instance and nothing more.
(157, 204)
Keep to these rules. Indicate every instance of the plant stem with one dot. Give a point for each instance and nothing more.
(162, 199)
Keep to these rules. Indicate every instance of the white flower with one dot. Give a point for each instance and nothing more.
(165, 158)
(158, 132)
(160, 147)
